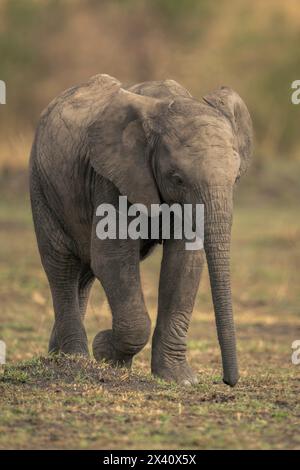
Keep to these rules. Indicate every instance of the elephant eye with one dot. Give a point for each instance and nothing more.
(176, 179)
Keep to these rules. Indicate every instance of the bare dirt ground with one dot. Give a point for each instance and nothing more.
(74, 403)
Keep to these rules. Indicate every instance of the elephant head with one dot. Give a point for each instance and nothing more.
(178, 149)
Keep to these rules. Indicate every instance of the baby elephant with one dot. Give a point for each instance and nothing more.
(153, 143)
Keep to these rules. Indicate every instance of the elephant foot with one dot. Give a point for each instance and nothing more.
(75, 349)
(53, 347)
(180, 373)
(70, 349)
(103, 349)
(72, 346)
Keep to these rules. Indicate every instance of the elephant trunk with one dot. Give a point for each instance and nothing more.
(217, 235)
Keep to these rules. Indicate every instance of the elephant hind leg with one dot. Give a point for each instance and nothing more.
(68, 334)
(67, 279)
(85, 282)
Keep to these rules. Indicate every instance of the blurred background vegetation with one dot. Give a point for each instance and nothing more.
(49, 45)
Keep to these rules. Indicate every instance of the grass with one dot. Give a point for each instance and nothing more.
(64, 402)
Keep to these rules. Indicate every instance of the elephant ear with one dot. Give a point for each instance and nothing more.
(231, 105)
(118, 146)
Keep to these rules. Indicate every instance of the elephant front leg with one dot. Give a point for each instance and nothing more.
(116, 265)
(179, 280)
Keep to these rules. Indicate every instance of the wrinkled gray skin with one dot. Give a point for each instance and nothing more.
(152, 143)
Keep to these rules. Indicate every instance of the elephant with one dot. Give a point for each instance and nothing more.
(152, 142)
